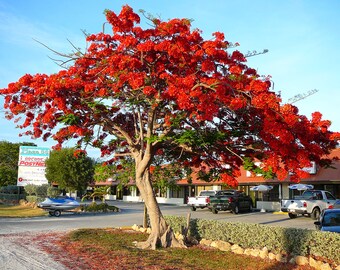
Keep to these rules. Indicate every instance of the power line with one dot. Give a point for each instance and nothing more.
(302, 96)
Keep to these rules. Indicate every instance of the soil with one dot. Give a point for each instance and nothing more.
(27, 251)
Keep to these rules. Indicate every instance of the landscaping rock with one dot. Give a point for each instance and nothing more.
(248, 251)
(325, 266)
(224, 246)
(135, 227)
(301, 260)
(271, 256)
(255, 253)
(143, 230)
(264, 253)
(237, 249)
(215, 244)
(206, 242)
(315, 264)
(281, 258)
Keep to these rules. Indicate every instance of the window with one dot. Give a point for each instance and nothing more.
(330, 196)
(176, 193)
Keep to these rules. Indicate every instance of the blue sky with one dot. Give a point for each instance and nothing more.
(302, 37)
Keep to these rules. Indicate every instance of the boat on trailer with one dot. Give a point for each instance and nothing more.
(55, 206)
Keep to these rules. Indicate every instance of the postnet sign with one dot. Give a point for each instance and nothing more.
(32, 165)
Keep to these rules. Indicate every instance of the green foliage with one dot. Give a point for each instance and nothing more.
(68, 171)
(103, 172)
(9, 156)
(101, 207)
(31, 189)
(166, 176)
(249, 165)
(53, 192)
(10, 189)
(69, 119)
(42, 190)
(277, 239)
(127, 171)
(32, 199)
(98, 192)
(10, 198)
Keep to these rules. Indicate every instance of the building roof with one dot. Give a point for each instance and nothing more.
(329, 175)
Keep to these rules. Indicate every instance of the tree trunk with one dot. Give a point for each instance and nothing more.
(161, 233)
(145, 217)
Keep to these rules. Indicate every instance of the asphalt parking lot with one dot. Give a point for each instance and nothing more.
(132, 213)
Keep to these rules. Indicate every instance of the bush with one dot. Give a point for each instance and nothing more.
(102, 207)
(34, 199)
(11, 189)
(53, 192)
(10, 198)
(31, 189)
(277, 239)
(42, 190)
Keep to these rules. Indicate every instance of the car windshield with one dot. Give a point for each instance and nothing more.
(207, 193)
(331, 219)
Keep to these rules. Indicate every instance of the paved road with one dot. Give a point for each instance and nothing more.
(132, 213)
(18, 253)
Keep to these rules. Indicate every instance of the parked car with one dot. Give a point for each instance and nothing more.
(310, 203)
(202, 200)
(230, 200)
(329, 220)
(336, 204)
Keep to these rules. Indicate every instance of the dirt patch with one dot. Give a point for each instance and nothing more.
(22, 251)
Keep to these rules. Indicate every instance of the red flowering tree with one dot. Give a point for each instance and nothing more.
(167, 91)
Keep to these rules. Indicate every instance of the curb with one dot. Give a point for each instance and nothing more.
(280, 213)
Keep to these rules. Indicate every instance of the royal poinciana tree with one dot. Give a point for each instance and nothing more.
(167, 91)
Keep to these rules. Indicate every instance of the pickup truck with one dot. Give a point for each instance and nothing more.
(310, 203)
(230, 200)
(202, 200)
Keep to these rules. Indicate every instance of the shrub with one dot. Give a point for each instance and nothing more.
(53, 192)
(11, 189)
(42, 190)
(102, 207)
(32, 199)
(31, 189)
(277, 239)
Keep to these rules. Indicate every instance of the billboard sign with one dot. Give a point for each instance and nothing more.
(32, 165)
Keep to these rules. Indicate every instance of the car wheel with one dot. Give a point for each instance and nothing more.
(292, 215)
(315, 214)
(214, 210)
(193, 208)
(250, 209)
(57, 213)
(236, 210)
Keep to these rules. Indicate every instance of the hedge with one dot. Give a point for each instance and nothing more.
(292, 241)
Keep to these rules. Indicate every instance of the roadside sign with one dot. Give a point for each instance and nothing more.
(32, 165)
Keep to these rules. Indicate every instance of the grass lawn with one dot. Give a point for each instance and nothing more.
(20, 211)
(114, 249)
